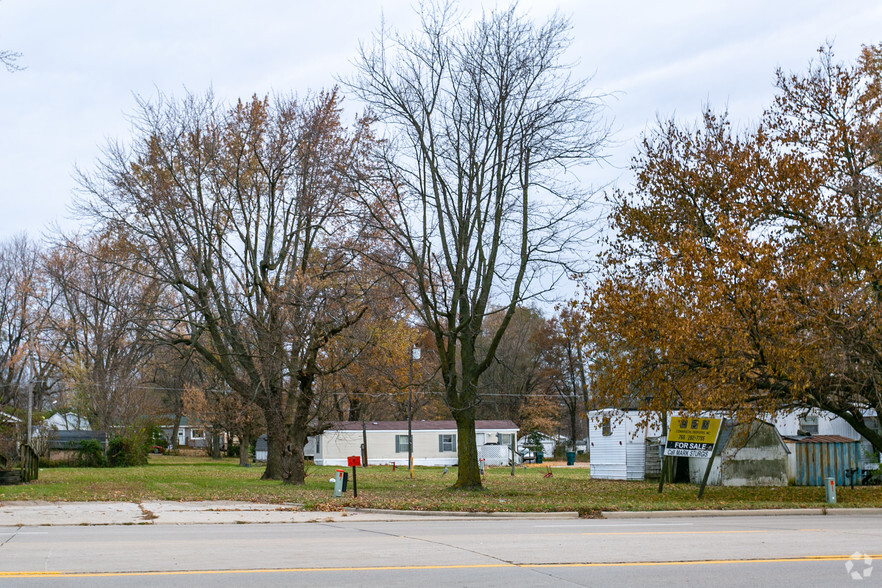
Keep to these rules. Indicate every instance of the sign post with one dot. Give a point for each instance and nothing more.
(694, 437)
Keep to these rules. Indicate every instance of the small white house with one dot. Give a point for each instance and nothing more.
(189, 434)
(618, 444)
(434, 442)
(67, 421)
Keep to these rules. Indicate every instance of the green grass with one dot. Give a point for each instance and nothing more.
(569, 489)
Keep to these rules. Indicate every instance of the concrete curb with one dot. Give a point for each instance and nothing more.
(767, 512)
(39, 513)
(459, 514)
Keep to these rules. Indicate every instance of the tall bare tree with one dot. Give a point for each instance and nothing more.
(22, 316)
(244, 214)
(484, 122)
(99, 324)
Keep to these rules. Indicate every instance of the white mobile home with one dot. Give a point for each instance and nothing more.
(434, 442)
(618, 444)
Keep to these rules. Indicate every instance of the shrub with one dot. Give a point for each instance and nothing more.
(90, 454)
(126, 451)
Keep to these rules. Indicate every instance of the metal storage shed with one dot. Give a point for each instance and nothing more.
(823, 456)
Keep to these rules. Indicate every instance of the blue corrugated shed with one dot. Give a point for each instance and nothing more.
(825, 456)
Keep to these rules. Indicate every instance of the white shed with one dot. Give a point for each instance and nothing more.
(618, 444)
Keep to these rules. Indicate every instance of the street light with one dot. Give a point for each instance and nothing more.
(414, 354)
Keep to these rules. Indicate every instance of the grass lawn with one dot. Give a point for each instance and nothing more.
(569, 489)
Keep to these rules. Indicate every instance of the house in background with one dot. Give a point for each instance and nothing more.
(67, 421)
(64, 445)
(189, 434)
(260, 447)
(547, 443)
(434, 442)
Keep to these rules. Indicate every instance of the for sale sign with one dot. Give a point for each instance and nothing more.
(692, 436)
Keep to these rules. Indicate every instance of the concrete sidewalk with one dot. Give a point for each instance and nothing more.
(34, 514)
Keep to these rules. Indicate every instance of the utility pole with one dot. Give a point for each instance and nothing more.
(30, 410)
(414, 354)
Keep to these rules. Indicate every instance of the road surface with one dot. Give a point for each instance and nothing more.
(699, 551)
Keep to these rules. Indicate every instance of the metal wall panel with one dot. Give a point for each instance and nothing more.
(817, 461)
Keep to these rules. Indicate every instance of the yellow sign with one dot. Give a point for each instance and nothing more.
(692, 436)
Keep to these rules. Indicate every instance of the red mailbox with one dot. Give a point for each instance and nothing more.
(354, 460)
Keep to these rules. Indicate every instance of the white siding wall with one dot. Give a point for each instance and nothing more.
(608, 453)
(829, 424)
(621, 455)
(336, 446)
(636, 456)
(787, 423)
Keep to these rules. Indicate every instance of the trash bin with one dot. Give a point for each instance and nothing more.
(539, 457)
(571, 458)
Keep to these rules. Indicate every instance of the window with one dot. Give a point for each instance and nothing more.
(446, 443)
(505, 439)
(197, 434)
(606, 427)
(808, 423)
(401, 444)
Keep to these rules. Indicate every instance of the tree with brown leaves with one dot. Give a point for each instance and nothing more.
(244, 213)
(746, 271)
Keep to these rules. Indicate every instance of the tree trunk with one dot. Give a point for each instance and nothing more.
(215, 440)
(174, 434)
(275, 444)
(244, 454)
(284, 456)
(286, 437)
(469, 476)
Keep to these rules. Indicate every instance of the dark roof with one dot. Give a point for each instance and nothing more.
(72, 439)
(417, 425)
(821, 439)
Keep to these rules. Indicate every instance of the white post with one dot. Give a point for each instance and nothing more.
(414, 354)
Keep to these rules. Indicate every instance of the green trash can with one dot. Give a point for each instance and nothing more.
(571, 458)
(539, 457)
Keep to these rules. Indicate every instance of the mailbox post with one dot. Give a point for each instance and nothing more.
(354, 461)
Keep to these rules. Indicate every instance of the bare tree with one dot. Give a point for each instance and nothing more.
(484, 122)
(244, 214)
(8, 59)
(516, 374)
(25, 360)
(99, 323)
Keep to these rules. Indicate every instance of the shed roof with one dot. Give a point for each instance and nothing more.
(821, 439)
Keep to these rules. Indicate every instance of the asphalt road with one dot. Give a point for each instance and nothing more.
(699, 551)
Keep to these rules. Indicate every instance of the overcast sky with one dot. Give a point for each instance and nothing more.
(86, 59)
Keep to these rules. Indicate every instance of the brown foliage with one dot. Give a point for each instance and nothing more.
(745, 274)
(245, 215)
